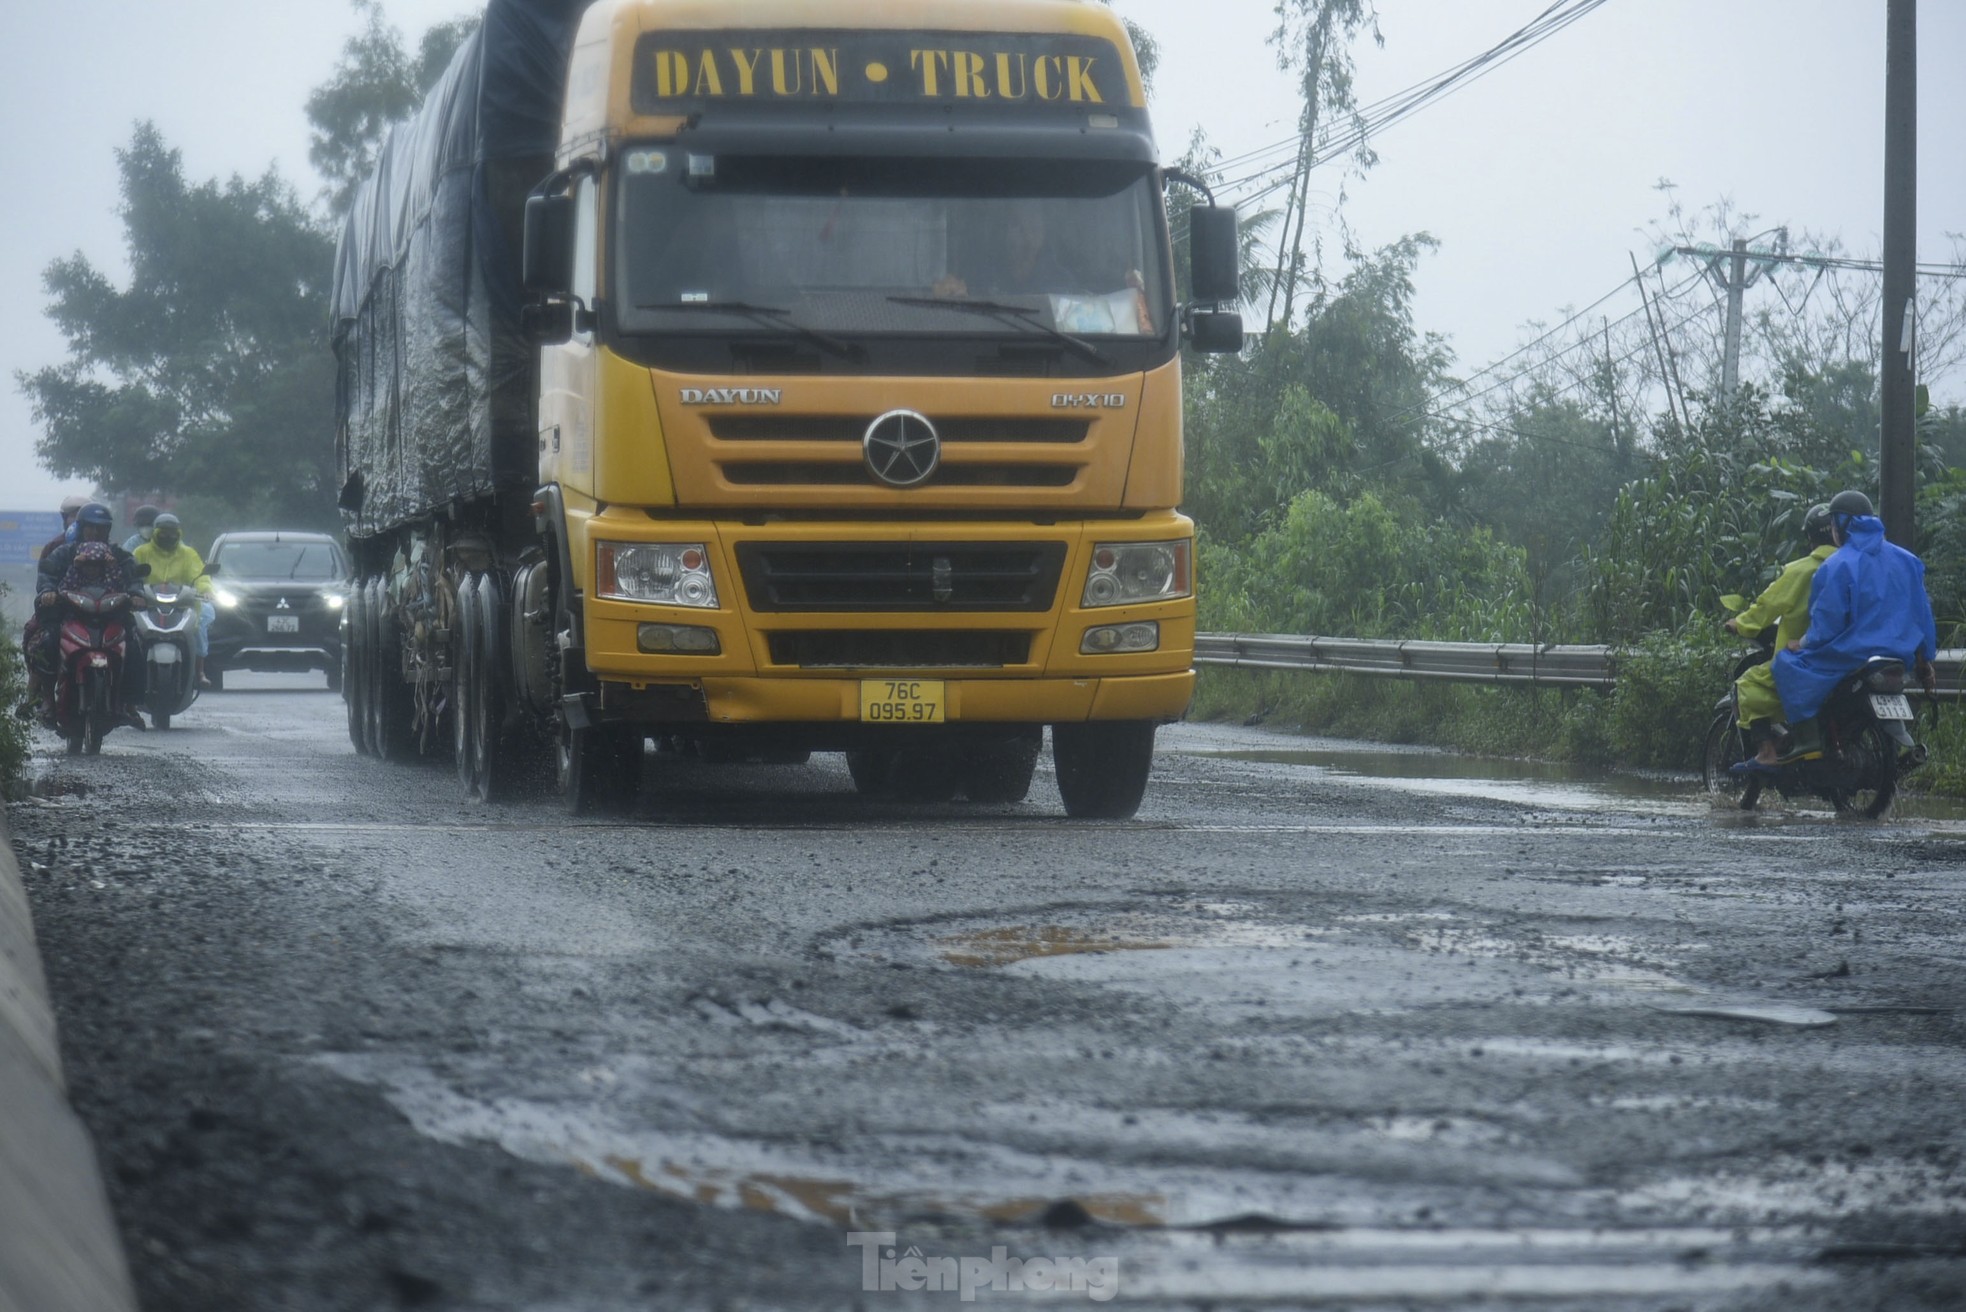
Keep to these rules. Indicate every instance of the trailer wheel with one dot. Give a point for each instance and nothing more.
(599, 768)
(1103, 766)
(355, 690)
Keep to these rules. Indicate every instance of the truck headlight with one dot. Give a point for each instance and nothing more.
(667, 573)
(1123, 573)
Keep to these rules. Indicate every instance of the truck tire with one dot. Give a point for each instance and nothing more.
(355, 691)
(599, 769)
(392, 704)
(499, 763)
(871, 772)
(464, 689)
(1103, 766)
(926, 774)
(997, 771)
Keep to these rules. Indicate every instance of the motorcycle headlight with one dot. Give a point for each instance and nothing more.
(224, 598)
(665, 573)
(1123, 573)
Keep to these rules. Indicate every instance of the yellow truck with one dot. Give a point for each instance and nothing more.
(773, 377)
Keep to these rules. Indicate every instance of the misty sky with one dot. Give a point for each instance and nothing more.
(1536, 180)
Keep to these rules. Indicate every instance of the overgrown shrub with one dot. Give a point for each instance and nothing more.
(13, 732)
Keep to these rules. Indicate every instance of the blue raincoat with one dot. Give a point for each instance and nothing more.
(1868, 599)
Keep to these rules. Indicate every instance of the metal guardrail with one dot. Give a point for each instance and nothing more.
(1545, 665)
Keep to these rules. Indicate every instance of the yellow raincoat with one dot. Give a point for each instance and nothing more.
(1786, 600)
(181, 565)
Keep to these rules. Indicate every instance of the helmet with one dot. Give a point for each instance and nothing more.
(1815, 524)
(167, 532)
(1850, 502)
(164, 519)
(95, 513)
(69, 505)
(145, 516)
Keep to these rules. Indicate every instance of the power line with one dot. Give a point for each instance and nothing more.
(1384, 113)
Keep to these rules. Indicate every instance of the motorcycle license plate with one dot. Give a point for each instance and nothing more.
(902, 701)
(283, 624)
(1890, 706)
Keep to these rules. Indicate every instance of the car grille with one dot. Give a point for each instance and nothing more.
(900, 649)
(884, 576)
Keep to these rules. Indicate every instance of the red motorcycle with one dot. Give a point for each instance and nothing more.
(89, 681)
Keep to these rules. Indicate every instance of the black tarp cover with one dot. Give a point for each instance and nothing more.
(434, 376)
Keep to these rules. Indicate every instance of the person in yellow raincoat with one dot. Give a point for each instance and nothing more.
(1784, 603)
(172, 560)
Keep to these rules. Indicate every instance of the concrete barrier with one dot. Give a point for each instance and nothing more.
(59, 1250)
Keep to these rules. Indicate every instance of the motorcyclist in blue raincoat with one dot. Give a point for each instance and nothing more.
(1868, 599)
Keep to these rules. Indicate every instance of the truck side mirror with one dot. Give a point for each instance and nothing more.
(1214, 255)
(548, 267)
(1215, 332)
(549, 323)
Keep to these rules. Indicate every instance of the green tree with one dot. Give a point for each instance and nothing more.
(209, 372)
(376, 84)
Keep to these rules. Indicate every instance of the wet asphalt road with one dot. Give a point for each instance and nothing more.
(1319, 1028)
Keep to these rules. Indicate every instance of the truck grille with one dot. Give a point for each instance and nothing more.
(900, 649)
(885, 576)
(847, 428)
(807, 473)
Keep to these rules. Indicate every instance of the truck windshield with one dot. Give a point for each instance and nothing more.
(876, 246)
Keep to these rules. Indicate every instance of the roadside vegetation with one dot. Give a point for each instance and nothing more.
(1602, 484)
(13, 731)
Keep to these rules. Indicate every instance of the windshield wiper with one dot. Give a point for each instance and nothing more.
(1023, 314)
(775, 315)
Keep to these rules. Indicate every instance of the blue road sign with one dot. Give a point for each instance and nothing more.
(24, 532)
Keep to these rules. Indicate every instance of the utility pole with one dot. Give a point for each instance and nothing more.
(1898, 439)
(1729, 272)
(1730, 364)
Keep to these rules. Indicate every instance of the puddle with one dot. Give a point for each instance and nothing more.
(1501, 779)
(1554, 783)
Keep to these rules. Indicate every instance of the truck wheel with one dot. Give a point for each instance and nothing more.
(926, 774)
(1103, 766)
(464, 689)
(871, 772)
(999, 770)
(599, 768)
(355, 693)
(498, 762)
(391, 705)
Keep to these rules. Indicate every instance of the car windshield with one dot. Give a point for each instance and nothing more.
(302, 561)
(888, 246)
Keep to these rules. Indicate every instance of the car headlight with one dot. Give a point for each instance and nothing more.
(224, 598)
(667, 573)
(334, 600)
(1126, 572)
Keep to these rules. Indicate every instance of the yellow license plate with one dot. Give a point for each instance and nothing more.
(902, 701)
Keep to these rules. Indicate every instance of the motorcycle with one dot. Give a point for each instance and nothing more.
(167, 630)
(1867, 743)
(94, 640)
